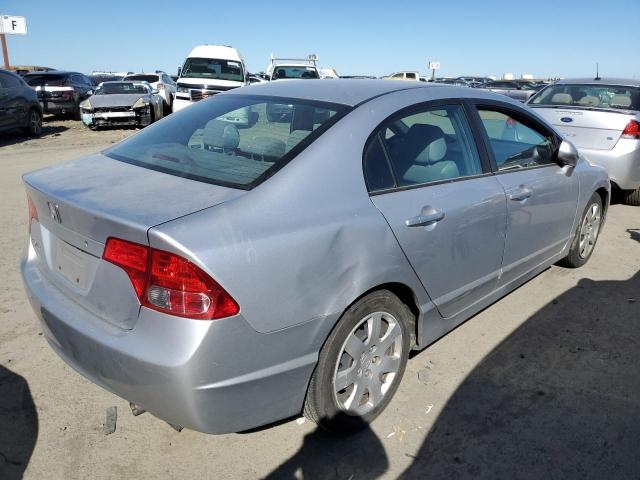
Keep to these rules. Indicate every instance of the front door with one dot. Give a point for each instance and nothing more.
(541, 194)
(444, 207)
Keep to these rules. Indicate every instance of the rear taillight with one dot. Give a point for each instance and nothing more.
(67, 94)
(169, 283)
(33, 213)
(632, 130)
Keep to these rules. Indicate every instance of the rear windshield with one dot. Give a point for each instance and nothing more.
(280, 72)
(143, 78)
(121, 87)
(231, 140)
(593, 96)
(48, 80)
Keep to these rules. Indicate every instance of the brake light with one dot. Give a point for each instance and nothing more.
(168, 283)
(632, 130)
(33, 213)
(67, 94)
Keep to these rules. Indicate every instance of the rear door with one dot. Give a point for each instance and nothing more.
(447, 211)
(541, 195)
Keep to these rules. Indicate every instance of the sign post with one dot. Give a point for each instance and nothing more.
(10, 25)
(433, 66)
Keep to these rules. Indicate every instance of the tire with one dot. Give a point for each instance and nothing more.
(588, 230)
(632, 197)
(34, 123)
(353, 407)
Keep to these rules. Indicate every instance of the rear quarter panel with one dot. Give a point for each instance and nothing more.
(306, 243)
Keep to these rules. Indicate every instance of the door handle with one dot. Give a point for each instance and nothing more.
(427, 218)
(522, 193)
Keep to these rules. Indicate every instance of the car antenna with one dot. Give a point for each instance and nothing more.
(597, 72)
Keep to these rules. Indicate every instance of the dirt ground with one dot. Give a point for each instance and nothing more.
(543, 384)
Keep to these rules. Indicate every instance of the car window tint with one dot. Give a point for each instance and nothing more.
(433, 145)
(514, 144)
(376, 167)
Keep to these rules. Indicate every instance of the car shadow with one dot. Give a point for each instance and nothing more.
(558, 398)
(18, 425)
(634, 233)
(14, 137)
(360, 455)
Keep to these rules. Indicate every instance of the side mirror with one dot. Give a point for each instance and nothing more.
(179, 71)
(568, 154)
(155, 91)
(89, 92)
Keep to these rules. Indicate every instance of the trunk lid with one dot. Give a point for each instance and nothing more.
(80, 204)
(595, 129)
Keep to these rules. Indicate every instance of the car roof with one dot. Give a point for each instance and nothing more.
(349, 92)
(628, 82)
(53, 72)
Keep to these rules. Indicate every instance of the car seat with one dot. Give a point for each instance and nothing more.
(219, 135)
(421, 156)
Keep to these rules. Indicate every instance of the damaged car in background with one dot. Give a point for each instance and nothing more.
(122, 104)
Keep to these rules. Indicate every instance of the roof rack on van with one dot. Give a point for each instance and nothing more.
(311, 59)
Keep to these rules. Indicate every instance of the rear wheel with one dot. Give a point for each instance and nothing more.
(632, 197)
(361, 364)
(587, 234)
(34, 123)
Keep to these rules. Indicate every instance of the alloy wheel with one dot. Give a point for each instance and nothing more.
(589, 230)
(368, 364)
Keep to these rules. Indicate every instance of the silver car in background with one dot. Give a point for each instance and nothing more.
(226, 276)
(602, 118)
(520, 90)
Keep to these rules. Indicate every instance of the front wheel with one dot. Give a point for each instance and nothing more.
(361, 364)
(587, 234)
(34, 123)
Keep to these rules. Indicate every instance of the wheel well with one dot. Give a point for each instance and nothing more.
(605, 199)
(406, 296)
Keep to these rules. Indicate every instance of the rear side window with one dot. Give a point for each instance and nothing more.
(431, 145)
(232, 140)
(589, 96)
(377, 171)
(514, 144)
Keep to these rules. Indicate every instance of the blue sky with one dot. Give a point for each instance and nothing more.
(542, 37)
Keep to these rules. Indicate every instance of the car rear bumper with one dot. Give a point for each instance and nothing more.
(212, 376)
(58, 106)
(622, 162)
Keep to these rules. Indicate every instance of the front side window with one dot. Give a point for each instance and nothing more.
(232, 140)
(434, 144)
(213, 69)
(589, 96)
(514, 144)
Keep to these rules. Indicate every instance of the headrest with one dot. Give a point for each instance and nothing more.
(424, 144)
(564, 98)
(220, 134)
(620, 101)
(589, 101)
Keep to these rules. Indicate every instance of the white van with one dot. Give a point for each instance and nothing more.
(209, 69)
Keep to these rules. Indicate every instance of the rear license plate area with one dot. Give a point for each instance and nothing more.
(72, 264)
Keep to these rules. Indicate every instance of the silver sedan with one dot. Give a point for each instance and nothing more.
(224, 269)
(600, 116)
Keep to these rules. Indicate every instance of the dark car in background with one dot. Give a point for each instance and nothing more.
(19, 107)
(517, 89)
(60, 92)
